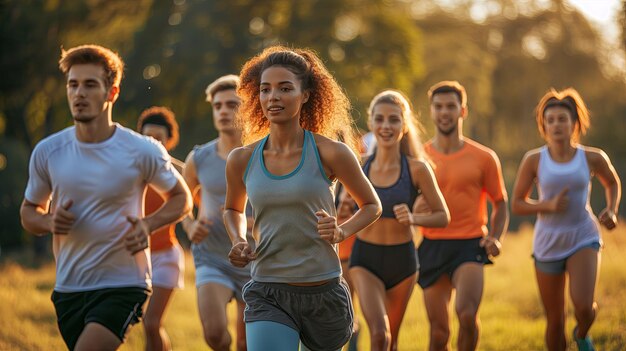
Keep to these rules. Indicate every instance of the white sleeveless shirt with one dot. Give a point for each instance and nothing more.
(558, 235)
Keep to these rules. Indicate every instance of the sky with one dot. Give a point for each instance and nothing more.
(603, 13)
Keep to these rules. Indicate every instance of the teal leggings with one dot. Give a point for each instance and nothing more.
(272, 336)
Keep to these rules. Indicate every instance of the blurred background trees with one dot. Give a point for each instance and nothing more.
(507, 53)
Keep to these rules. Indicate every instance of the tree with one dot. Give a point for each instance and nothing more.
(32, 94)
(622, 19)
(368, 48)
(32, 32)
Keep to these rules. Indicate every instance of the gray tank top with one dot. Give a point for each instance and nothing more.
(558, 235)
(289, 248)
(211, 172)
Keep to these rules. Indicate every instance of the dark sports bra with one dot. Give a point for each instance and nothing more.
(401, 192)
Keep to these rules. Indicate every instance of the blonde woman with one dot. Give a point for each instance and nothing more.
(383, 264)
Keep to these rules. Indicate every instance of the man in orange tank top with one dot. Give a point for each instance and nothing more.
(168, 259)
(451, 258)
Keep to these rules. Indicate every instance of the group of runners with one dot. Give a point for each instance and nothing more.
(280, 187)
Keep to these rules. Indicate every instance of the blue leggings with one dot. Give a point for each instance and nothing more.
(272, 336)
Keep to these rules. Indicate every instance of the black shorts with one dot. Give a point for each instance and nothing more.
(390, 263)
(116, 309)
(438, 257)
(322, 314)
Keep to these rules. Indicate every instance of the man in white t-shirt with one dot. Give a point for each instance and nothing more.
(86, 186)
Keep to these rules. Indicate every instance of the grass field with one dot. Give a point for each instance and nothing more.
(511, 313)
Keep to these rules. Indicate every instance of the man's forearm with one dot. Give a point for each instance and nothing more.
(177, 207)
(35, 220)
(499, 219)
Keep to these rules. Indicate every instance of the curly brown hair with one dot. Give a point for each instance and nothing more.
(161, 116)
(327, 111)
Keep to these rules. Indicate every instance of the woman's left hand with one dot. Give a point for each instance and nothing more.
(403, 214)
(608, 219)
(327, 227)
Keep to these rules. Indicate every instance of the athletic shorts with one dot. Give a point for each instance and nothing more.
(230, 279)
(116, 309)
(168, 268)
(558, 266)
(390, 263)
(321, 314)
(438, 257)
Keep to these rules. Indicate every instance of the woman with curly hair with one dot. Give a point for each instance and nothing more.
(383, 264)
(567, 234)
(290, 100)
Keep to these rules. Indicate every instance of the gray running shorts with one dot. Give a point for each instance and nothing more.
(322, 314)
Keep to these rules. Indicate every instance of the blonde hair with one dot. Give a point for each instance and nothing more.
(410, 144)
(222, 83)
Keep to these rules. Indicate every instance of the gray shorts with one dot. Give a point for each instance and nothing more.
(321, 314)
(232, 279)
(558, 267)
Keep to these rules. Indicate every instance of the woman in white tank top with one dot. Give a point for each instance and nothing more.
(567, 234)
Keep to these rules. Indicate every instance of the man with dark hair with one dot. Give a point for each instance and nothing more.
(86, 186)
(217, 280)
(452, 258)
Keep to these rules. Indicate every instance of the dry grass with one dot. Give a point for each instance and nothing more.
(511, 313)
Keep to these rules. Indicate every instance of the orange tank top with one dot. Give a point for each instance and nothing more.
(165, 237)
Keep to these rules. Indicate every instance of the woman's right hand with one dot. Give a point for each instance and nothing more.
(241, 254)
(560, 202)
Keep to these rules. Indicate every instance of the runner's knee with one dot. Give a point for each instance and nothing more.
(585, 312)
(439, 335)
(216, 340)
(467, 317)
(381, 337)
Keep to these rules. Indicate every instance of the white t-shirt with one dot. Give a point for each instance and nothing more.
(106, 183)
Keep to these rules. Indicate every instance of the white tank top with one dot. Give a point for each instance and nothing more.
(558, 235)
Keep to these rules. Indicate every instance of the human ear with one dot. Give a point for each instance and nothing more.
(464, 111)
(114, 92)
